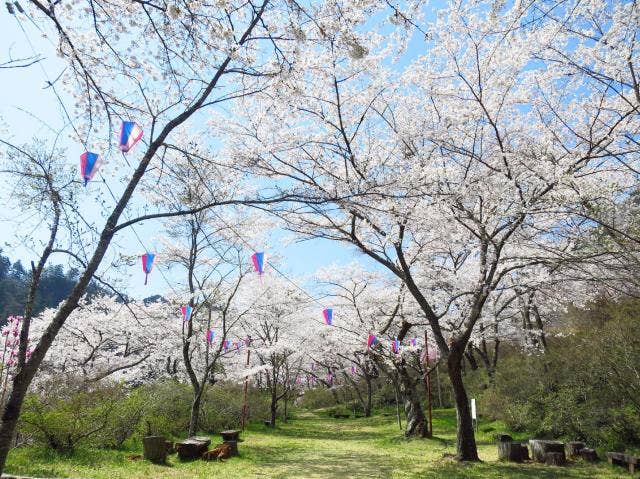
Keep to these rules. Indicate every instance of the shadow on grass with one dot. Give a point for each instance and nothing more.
(331, 430)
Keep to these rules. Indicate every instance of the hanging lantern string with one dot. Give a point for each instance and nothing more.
(297, 286)
(77, 133)
(84, 144)
(271, 265)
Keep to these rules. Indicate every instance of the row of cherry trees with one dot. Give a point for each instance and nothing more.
(474, 155)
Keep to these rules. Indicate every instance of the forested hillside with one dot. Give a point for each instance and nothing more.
(55, 285)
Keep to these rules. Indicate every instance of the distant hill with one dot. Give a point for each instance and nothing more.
(55, 285)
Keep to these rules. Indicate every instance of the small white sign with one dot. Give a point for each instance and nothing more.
(473, 409)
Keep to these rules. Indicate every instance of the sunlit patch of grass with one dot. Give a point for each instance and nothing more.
(313, 446)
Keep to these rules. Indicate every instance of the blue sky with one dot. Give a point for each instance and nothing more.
(26, 107)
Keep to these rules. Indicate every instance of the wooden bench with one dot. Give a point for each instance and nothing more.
(623, 459)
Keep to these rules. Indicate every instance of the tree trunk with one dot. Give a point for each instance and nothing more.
(286, 403)
(12, 409)
(416, 421)
(195, 413)
(367, 406)
(273, 408)
(466, 442)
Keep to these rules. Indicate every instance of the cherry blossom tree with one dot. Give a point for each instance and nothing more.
(104, 338)
(461, 174)
(281, 330)
(164, 65)
(367, 302)
(215, 267)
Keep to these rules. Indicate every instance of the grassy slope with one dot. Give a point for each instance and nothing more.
(315, 447)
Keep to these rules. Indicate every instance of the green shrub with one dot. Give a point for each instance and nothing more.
(69, 412)
(317, 398)
(221, 407)
(129, 411)
(167, 409)
(584, 388)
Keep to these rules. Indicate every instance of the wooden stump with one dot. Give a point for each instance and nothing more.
(231, 438)
(233, 447)
(511, 451)
(555, 458)
(230, 435)
(192, 448)
(589, 454)
(574, 448)
(525, 451)
(154, 449)
(540, 447)
(171, 448)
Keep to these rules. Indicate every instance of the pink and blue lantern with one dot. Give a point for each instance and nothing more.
(130, 134)
(354, 370)
(210, 336)
(258, 262)
(414, 342)
(371, 341)
(147, 264)
(328, 316)
(89, 164)
(395, 346)
(225, 345)
(187, 311)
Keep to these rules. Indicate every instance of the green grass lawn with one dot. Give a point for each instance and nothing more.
(312, 446)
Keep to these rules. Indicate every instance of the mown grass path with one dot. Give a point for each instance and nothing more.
(315, 447)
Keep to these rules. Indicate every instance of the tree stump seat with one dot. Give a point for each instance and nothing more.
(230, 435)
(231, 438)
(574, 448)
(589, 454)
(512, 451)
(555, 458)
(171, 447)
(541, 447)
(623, 459)
(154, 449)
(192, 448)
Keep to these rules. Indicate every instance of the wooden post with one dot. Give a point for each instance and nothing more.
(246, 387)
(427, 380)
